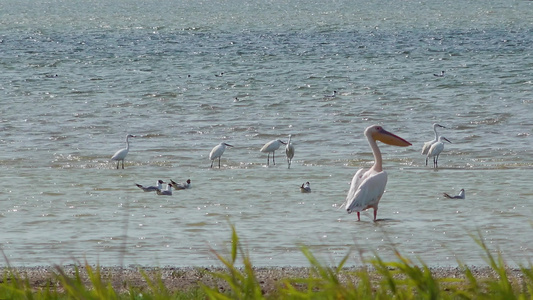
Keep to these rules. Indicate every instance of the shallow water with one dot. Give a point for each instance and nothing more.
(77, 77)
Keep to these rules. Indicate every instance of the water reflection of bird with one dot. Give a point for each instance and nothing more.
(272, 146)
(121, 154)
(153, 188)
(435, 150)
(460, 196)
(217, 152)
(289, 151)
(367, 187)
(305, 188)
(428, 144)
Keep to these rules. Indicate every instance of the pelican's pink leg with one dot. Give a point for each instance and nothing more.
(375, 214)
(358, 217)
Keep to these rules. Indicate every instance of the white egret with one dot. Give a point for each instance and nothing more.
(167, 192)
(435, 150)
(272, 146)
(367, 187)
(460, 196)
(121, 154)
(305, 188)
(217, 152)
(427, 145)
(289, 151)
(181, 185)
(152, 188)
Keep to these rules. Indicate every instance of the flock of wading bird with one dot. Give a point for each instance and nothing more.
(367, 187)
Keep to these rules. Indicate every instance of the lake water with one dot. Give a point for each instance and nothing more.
(78, 76)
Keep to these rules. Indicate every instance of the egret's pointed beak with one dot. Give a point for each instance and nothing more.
(228, 145)
(447, 140)
(390, 138)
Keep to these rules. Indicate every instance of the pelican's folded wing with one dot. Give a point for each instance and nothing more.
(368, 193)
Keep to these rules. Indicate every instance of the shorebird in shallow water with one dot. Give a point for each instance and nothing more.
(217, 152)
(153, 188)
(167, 192)
(435, 150)
(121, 154)
(289, 151)
(305, 188)
(367, 187)
(272, 146)
(460, 196)
(181, 186)
(428, 144)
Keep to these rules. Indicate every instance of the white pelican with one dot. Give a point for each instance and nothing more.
(427, 145)
(121, 154)
(367, 187)
(167, 192)
(305, 188)
(332, 95)
(217, 152)
(460, 196)
(180, 186)
(435, 150)
(153, 188)
(289, 151)
(272, 146)
(439, 75)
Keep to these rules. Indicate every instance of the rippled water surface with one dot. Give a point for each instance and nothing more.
(78, 76)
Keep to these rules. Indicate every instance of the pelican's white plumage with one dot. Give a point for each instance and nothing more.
(428, 144)
(120, 155)
(272, 146)
(217, 152)
(368, 187)
(289, 151)
(435, 150)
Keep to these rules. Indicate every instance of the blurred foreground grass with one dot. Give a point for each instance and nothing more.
(400, 279)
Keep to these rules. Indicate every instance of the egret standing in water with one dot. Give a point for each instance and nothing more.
(121, 154)
(217, 152)
(367, 187)
(436, 149)
(272, 146)
(289, 151)
(427, 145)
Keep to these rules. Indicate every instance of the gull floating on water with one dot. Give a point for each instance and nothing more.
(158, 186)
(217, 152)
(460, 196)
(427, 145)
(332, 95)
(272, 146)
(289, 152)
(435, 150)
(305, 188)
(367, 187)
(121, 154)
(439, 75)
(181, 186)
(167, 192)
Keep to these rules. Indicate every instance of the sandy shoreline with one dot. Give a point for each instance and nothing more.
(182, 279)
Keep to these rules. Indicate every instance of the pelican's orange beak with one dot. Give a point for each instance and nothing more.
(390, 138)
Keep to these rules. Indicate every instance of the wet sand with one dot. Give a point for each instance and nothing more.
(183, 279)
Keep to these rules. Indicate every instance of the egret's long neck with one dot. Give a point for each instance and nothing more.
(378, 162)
(436, 134)
(127, 143)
